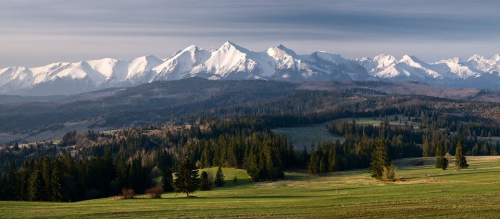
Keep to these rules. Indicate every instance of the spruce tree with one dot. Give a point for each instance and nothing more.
(3, 181)
(36, 187)
(56, 183)
(205, 183)
(187, 180)
(219, 178)
(427, 148)
(379, 159)
(305, 156)
(168, 180)
(322, 166)
(460, 161)
(441, 161)
(314, 164)
(333, 159)
(11, 189)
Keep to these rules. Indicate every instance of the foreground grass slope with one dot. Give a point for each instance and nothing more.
(423, 192)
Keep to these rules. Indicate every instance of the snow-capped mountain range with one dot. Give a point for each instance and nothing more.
(231, 61)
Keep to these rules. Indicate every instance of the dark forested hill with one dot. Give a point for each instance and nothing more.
(183, 100)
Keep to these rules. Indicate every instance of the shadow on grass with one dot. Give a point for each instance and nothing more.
(462, 172)
(271, 196)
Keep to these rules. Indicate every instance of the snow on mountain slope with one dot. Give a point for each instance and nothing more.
(231, 61)
(15, 75)
(485, 65)
(181, 64)
(408, 67)
(334, 67)
(456, 68)
(382, 66)
(140, 70)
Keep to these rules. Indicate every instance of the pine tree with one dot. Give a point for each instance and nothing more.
(205, 183)
(187, 180)
(379, 159)
(314, 164)
(305, 156)
(3, 181)
(11, 189)
(168, 180)
(37, 187)
(56, 183)
(47, 174)
(24, 176)
(333, 159)
(427, 147)
(441, 161)
(322, 166)
(460, 161)
(219, 178)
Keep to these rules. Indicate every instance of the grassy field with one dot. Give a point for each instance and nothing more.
(423, 192)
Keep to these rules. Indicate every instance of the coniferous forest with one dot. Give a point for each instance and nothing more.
(231, 133)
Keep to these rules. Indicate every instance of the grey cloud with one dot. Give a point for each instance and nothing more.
(428, 28)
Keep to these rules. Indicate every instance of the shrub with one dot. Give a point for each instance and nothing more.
(127, 193)
(390, 173)
(441, 163)
(154, 192)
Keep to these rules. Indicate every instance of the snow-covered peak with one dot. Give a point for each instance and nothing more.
(410, 60)
(286, 49)
(476, 58)
(496, 57)
(104, 66)
(483, 64)
(230, 46)
(141, 65)
(385, 60)
(183, 63)
(231, 61)
(279, 52)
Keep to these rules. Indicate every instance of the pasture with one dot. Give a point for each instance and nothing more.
(423, 191)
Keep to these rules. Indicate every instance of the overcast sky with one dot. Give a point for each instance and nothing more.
(36, 32)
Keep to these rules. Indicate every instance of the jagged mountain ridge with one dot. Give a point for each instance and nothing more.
(231, 61)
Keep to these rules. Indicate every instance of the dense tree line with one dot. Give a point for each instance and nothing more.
(143, 157)
(405, 140)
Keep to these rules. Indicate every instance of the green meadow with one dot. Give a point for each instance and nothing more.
(422, 191)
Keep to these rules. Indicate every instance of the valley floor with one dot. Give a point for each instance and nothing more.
(423, 192)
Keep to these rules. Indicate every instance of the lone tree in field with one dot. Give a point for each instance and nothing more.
(460, 161)
(187, 178)
(219, 178)
(379, 159)
(441, 161)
